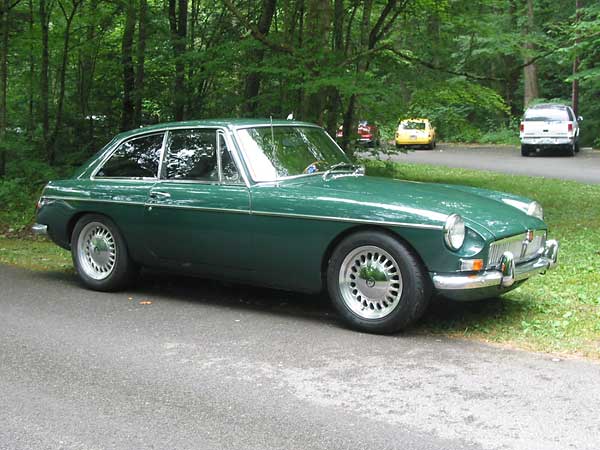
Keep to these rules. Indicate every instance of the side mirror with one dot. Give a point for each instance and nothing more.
(579, 119)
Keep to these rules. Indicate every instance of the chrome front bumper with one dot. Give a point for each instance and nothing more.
(507, 275)
(39, 230)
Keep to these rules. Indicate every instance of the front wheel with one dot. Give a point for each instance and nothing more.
(376, 283)
(100, 254)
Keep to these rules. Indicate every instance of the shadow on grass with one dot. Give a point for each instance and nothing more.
(453, 317)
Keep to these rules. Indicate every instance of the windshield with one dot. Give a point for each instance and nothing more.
(281, 151)
(412, 125)
(546, 115)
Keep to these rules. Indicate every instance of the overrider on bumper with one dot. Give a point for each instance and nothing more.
(472, 286)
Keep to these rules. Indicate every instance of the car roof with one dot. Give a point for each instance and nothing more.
(415, 120)
(220, 123)
(548, 106)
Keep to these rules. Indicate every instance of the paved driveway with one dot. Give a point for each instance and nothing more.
(210, 366)
(584, 167)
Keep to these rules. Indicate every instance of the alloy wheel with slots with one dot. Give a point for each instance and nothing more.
(97, 250)
(376, 282)
(370, 282)
(100, 254)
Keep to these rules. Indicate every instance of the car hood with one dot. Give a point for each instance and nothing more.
(385, 199)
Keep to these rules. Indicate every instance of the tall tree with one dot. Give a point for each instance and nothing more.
(530, 76)
(127, 113)
(45, 11)
(255, 58)
(5, 8)
(178, 27)
(68, 15)
(576, 62)
(141, 60)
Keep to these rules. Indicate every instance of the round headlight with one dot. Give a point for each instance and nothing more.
(535, 209)
(454, 231)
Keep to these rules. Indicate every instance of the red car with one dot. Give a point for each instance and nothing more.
(368, 133)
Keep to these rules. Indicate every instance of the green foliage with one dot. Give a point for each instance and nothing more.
(459, 109)
(501, 135)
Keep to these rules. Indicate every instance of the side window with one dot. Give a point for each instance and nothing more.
(228, 168)
(136, 158)
(192, 155)
(571, 115)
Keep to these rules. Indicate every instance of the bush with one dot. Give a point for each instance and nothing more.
(459, 109)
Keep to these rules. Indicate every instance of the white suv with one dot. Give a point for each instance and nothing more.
(549, 126)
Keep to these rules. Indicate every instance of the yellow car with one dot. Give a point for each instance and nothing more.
(415, 132)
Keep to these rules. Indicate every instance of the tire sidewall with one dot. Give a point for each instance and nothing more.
(122, 270)
(415, 289)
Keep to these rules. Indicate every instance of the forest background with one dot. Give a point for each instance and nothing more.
(75, 72)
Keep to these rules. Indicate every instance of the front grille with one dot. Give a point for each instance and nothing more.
(515, 245)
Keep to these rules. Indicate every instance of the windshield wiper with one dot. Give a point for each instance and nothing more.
(356, 169)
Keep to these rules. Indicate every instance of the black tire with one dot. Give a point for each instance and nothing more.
(398, 146)
(570, 150)
(577, 148)
(524, 150)
(431, 145)
(123, 271)
(413, 298)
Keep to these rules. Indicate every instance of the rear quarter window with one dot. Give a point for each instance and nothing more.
(546, 115)
(135, 158)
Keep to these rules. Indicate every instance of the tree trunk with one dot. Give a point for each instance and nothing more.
(44, 65)
(141, 57)
(178, 25)
(30, 117)
(255, 57)
(51, 146)
(318, 22)
(127, 111)
(4, 23)
(576, 61)
(333, 98)
(531, 88)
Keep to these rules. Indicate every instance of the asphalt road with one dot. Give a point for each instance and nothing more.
(583, 167)
(212, 366)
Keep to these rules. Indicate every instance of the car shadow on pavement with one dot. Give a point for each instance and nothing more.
(233, 295)
(443, 315)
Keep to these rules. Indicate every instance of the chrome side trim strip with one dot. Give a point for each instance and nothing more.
(347, 219)
(94, 200)
(257, 213)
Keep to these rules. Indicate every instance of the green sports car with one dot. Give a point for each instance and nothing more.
(278, 203)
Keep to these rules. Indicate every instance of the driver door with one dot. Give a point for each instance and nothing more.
(198, 213)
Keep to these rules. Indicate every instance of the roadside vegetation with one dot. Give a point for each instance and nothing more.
(558, 312)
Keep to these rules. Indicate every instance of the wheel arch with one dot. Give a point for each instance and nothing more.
(360, 228)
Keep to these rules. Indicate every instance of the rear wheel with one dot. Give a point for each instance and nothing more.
(524, 150)
(100, 254)
(376, 283)
(570, 150)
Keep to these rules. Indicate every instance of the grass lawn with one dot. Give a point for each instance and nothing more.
(558, 312)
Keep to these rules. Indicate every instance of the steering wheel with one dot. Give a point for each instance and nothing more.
(312, 167)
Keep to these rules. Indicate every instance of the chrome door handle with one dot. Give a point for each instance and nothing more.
(160, 195)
